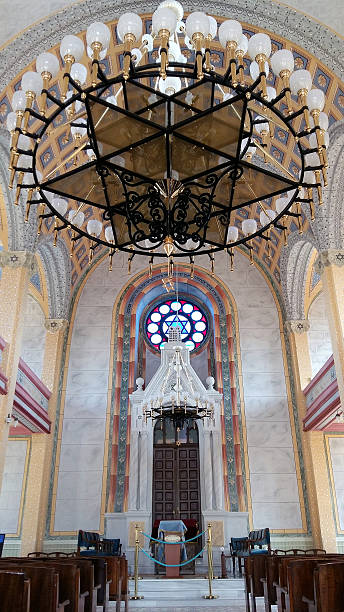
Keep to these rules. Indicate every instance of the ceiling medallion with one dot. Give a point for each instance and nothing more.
(169, 154)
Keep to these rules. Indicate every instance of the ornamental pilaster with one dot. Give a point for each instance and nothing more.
(297, 326)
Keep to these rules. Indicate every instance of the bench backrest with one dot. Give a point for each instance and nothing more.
(328, 587)
(14, 591)
(44, 587)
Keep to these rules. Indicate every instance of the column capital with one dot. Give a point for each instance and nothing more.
(17, 259)
(55, 325)
(332, 257)
(297, 326)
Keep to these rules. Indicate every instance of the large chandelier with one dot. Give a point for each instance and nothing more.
(171, 157)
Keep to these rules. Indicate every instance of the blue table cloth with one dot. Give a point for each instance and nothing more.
(170, 526)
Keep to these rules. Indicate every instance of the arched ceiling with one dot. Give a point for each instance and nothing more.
(282, 149)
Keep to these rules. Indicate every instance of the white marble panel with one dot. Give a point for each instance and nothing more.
(85, 406)
(256, 360)
(274, 488)
(263, 384)
(79, 485)
(285, 515)
(93, 297)
(338, 461)
(83, 431)
(81, 458)
(336, 446)
(90, 337)
(91, 359)
(261, 297)
(251, 338)
(87, 381)
(262, 318)
(269, 434)
(12, 484)
(271, 460)
(9, 520)
(338, 478)
(266, 409)
(94, 316)
(255, 278)
(72, 515)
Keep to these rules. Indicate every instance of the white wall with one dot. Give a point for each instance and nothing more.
(336, 444)
(320, 346)
(271, 456)
(34, 334)
(274, 487)
(12, 484)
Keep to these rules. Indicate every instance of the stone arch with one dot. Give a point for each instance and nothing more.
(294, 265)
(57, 267)
(329, 221)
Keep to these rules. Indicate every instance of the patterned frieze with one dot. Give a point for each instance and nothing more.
(55, 325)
(17, 259)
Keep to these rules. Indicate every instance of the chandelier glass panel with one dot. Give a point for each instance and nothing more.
(171, 158)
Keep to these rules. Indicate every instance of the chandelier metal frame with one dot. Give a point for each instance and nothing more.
(168, 214)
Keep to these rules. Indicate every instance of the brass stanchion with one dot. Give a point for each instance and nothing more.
(136, 570)
(210, 565)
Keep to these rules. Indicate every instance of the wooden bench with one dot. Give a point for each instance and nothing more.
(69, 578)
(14, 591)
(296, 580)
(44, 587)
(328, 579)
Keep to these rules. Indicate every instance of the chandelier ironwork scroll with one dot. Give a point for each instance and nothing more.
(167, 153)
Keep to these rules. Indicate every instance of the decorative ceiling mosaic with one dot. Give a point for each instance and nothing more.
(60, 144)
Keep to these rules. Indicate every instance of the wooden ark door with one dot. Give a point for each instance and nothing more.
(176, 473)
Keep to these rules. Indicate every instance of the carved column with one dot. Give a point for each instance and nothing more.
(38, 479)
(17, 268)
(318, 486)
(330, 266)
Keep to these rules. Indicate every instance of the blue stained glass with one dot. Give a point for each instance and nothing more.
(172, 313)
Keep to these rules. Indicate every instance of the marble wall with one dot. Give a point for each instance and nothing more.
(273, 476)
(272, 471)
(12, 486)
(79, 489)
(34, 334)
(320, 346)
(336, 445)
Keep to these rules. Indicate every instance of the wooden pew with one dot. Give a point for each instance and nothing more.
(68, 578)
(44, 588)
(328, 579)
(14, 591)
(102, 577)
(296, 581)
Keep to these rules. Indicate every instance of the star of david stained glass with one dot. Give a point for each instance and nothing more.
(185, 315)
(171, 158)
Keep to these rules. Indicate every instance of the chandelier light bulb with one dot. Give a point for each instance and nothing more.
(259, 44)
(19, 100)
(11, 121)
(210, 36)
(300, 80)
(24, 143)
(60, 205)
(98, 32)
(197, 28)
(170, 85)
(76, 218)
(94, 227)
(243, 44)
(32, 83)
(267, 216)
(316, 100)
(282, 61)
(232, 234)
(270, 93)
(254, 70)
(102, 53)
(47, 63)
(78, 72)
(281, 204)
(249, 226)
(71, 47)
(164, 18)
(109, 237)
(230, 31)
(212, 27)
